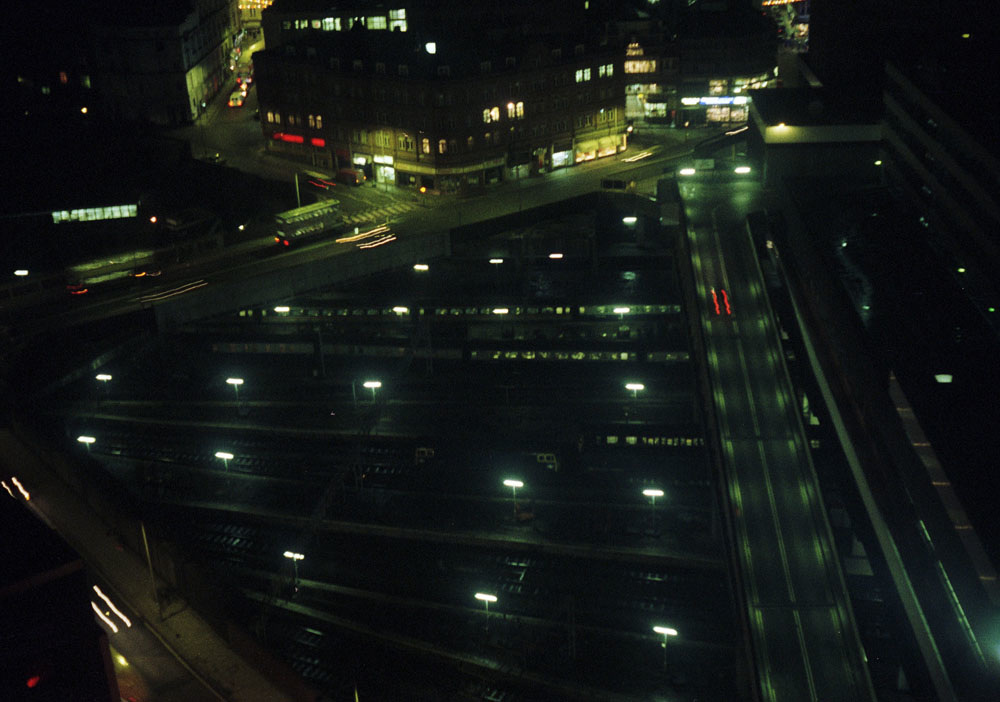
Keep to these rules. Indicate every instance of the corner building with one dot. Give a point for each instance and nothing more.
(454, 114)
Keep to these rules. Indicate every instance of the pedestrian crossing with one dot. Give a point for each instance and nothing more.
(380, 214)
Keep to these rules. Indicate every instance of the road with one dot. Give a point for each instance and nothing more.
(145, 669)
(802, 631)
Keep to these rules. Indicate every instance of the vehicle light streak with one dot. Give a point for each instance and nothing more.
(715, 301)
(174, 292)
(20, 488)
(378, 242)
(7, 487)
(638, 157)
(112, 606)
(362, 235)
(725, 299)
(99, 613)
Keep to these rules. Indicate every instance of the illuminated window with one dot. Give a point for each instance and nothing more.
(377, 22)
(486, 116)
(85, 81)
(319, 121)
(291, 120)
(511, 110)
(63, 78)
(331, 24)
(317, 24)
(633, 50)
(397, 20)
(582, 75)
(425, 145)
(520, 110)
(641, 66)
(277, 118)
(606, 70)
(442, 146)
(270, 116)
(312, 122)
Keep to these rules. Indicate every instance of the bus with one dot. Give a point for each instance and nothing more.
(308, 220)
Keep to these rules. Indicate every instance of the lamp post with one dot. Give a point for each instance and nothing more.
(513, 485)
(635, 388)
(86, 441)
(652, 494)
(486, 598)
(372, 385)
(236, 383)
(666, 631)
(226, 458)
(295, 558)
(104, 378)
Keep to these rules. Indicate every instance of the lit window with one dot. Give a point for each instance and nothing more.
(495, 114)
(63, 78)
(397, 20)
(376, 23)
(582, 75)
(312, 122)
(511, 110)
(425, 145)
(520, 110)
(331, 24)
(606, 70)
(319, 121)
(317, 24)
(277, 118)
(442, 146)
(486, 116)
(270, 116)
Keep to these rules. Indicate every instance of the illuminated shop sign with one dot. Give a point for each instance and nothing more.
(715, 100)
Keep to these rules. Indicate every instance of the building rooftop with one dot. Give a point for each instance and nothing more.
(812, 107)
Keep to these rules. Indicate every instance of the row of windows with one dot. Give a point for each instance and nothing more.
(515, 110)
(388, 138)
(611, 311)
(691, 441)
(395, 22)
(605, 70)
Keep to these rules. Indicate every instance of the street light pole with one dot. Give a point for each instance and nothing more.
(666, 631)
(486, 599)
(513, 485)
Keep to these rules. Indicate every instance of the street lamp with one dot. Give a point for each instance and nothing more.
(486, 599)
(86, 440)
(295, 558)
(496, 261)
(236, 383)
(421, 267)
(104, 378)
(635, 388)
(226, 458)
(652, 494)
(630, 220)
(372, 385)
(513, 485)
(666, 631)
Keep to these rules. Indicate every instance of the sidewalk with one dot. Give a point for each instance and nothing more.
(192, 641)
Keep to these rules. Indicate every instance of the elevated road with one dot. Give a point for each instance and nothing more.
(799, 620)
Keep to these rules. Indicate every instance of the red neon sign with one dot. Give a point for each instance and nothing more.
(316, 141)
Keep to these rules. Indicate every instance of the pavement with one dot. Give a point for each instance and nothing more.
(205, 654)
